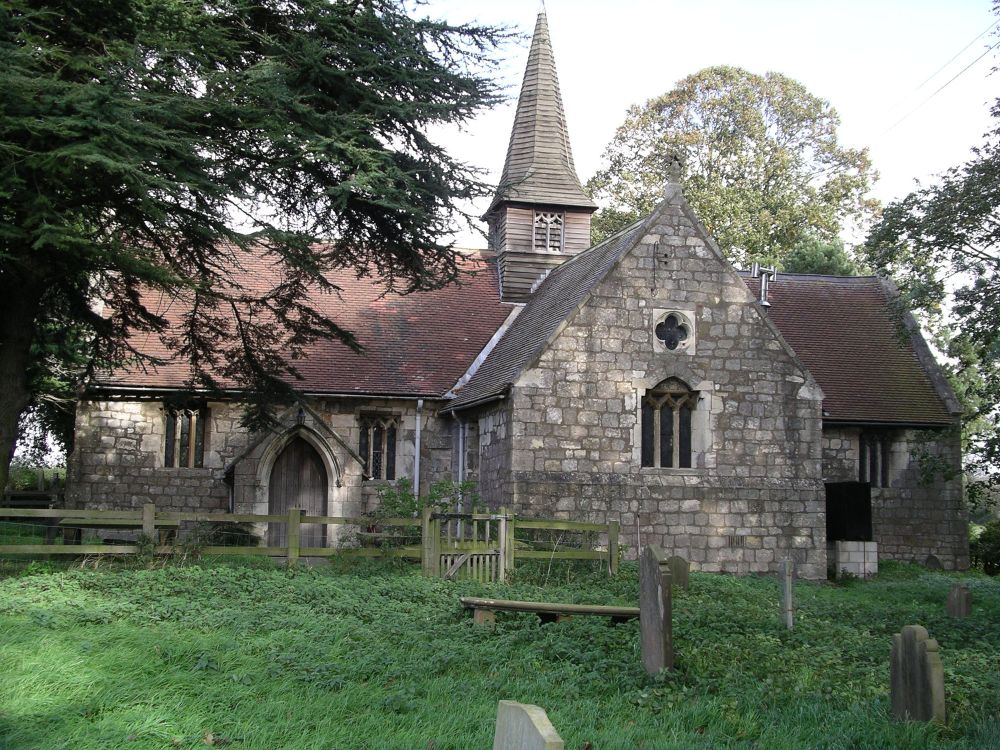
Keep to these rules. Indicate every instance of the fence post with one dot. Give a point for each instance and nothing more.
(148, 519)
(502, 547)
(436, 546)
(613, 528)
(294, 519)
(506, 541)
(425, 539)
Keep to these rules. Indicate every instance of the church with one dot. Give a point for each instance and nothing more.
(733, 418)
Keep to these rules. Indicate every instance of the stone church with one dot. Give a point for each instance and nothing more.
(732, 418)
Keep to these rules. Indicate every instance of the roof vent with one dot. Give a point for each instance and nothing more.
(766, 275)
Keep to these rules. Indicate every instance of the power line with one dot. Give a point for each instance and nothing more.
(957, 54)
(941, 88)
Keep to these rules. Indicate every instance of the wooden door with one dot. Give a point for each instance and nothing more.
(298, 480)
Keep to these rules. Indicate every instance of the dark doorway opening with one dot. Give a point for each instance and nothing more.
(849, 511)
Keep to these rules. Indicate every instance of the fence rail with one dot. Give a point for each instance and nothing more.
(479, 545)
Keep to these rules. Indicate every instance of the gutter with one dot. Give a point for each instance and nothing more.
(416, 456)
(477, 402)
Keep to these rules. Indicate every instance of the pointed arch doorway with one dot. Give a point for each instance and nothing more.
(298, 480)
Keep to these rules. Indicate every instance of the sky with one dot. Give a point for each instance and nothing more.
(880, 63)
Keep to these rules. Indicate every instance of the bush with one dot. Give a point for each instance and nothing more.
(985, 550)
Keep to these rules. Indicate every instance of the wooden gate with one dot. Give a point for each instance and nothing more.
(468, 545)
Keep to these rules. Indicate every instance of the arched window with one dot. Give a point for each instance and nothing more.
(666, 425)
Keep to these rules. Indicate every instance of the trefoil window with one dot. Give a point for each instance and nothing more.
(184, 438)
(548, 232)
(666, 425)
(377, 445)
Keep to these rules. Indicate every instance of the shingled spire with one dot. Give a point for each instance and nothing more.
(540, 213)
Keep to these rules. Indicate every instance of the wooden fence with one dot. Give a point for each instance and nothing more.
(482, 546)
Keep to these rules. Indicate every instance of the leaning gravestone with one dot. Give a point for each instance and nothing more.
(655, 611)
(521, 726)
(680, 570)
(916, 677)
(959, 601)
(786, 574)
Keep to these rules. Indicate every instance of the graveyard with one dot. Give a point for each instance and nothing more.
(368, 654)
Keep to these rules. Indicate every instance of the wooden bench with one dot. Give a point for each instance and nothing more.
(484, 610)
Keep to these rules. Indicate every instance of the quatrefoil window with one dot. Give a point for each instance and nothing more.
(672, 331)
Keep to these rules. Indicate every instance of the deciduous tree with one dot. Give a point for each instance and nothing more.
(136, 134)
(942, 246)
(764, 169)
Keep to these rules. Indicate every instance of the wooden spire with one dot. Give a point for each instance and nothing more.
(539, 167)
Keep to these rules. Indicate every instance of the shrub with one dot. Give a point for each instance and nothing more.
(985, 550)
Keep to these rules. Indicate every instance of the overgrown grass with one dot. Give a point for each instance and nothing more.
(373, 656)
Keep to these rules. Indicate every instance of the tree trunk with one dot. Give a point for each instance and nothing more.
(19, 303)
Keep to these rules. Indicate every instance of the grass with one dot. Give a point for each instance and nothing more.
(368, 655)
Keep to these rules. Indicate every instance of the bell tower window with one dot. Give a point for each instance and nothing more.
(548, 232)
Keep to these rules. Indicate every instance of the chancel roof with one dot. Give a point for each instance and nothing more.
(539, 166)
(867, 356)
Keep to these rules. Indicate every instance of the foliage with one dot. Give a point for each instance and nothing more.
(398, 500)
(813, 255)
(24, 475)
(265, 657)
(763, 167)
(220, 534)
(941, 244)
(136, 134)
(985, 548)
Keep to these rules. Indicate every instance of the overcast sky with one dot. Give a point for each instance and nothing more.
(869, 58)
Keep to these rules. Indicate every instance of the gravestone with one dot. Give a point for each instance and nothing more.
(521, 726)
(655, 611)
(916, 677)
(959, 601)
(786, 574)
(680, 570)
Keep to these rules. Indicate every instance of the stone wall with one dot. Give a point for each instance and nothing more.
(118, 458)
(754, 494)
(915, 516)
(495, 439)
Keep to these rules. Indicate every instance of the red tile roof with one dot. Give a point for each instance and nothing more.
(415, 345)
(861, 353)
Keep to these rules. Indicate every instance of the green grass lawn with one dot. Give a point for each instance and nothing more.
(369, 656)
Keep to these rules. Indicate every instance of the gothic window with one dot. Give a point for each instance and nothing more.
(873, 463)
(548, 232)
(184, 439)
(377, 445)
(666, 425)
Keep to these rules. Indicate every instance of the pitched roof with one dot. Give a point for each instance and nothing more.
(539, 166)
(553, 302)
(873, 367)
(418, 344)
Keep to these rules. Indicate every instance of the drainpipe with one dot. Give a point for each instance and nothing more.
(416, 457)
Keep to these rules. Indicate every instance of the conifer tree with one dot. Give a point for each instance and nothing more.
(145, 143)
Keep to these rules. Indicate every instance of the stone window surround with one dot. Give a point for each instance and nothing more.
(191, 454)
(366, 419)
(687, 317)
(702, 419)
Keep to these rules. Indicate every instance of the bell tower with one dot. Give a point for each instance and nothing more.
(540, 215)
